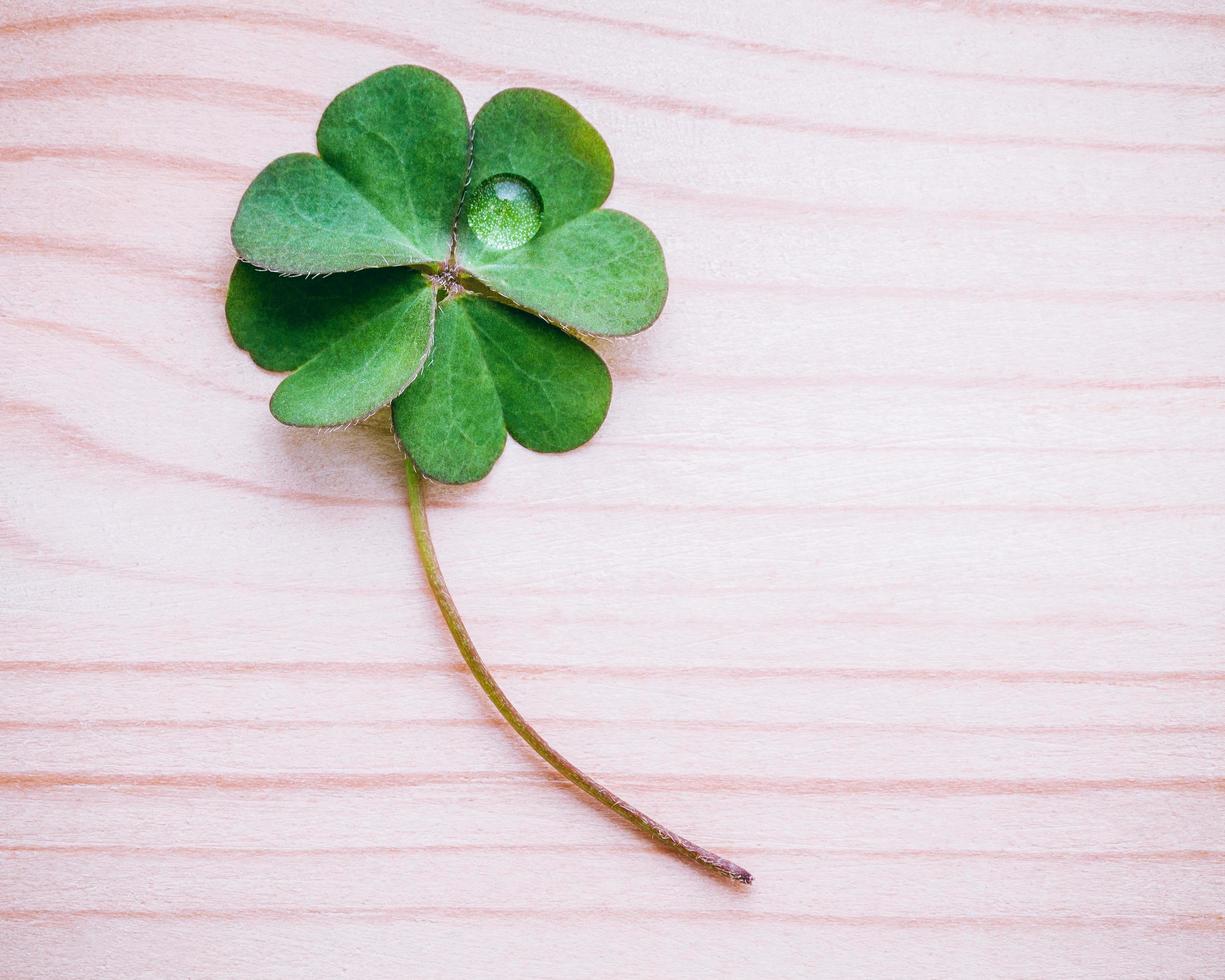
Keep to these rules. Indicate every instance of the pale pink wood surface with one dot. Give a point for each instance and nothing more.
(896, 573)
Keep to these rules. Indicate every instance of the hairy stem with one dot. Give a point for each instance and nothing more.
(654, 830)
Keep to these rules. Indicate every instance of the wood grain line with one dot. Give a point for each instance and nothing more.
(756, 206)
(384, 668)
(1042, 294)
(111, 345)
(16, 413)
(985, 923)
(970, 382)
(124, 260)
(148, 159)
(200, 90)
(87, 725)
(32, 551)
(267, 98)
(134, 261)
(749, 204)
(154, 851)
(787, 52)
(679, 783)
(956, 449)
(1000, 9)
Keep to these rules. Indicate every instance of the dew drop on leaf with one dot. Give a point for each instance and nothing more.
(505, 212)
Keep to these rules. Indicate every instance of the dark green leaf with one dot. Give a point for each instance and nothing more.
(364, 369)
(401, 138)
(282, 321)
(554, 389)
(450, 419)
(601, 273)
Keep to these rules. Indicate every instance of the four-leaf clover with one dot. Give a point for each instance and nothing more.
(443, 269)
(449, 270)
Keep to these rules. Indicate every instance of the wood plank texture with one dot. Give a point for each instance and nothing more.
(896, 573)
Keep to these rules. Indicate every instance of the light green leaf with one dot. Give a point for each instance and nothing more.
(537, 136)
(450, 420)
(601, 273)
(394, 150)
(364, 369)
(554, 389)
(300, 217)
(282, 321)
(401, 138)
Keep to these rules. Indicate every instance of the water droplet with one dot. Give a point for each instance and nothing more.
(505, 212)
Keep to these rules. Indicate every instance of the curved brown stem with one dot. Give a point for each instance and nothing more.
(653, 829)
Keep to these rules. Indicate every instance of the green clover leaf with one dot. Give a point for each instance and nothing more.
(448, 270)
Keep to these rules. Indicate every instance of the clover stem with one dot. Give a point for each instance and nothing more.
(446, 605)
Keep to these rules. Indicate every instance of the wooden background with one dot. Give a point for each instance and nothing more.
(896, 573)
